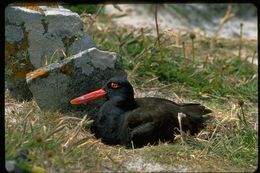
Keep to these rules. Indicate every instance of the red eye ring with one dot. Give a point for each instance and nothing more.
(114, 85)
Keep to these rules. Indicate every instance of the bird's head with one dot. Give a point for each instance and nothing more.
(116, 88)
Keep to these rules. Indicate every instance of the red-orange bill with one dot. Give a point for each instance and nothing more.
(89, 97)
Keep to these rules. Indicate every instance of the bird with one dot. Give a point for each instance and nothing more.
(136, 122)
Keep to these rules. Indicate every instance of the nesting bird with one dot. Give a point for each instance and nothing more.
(128, 121)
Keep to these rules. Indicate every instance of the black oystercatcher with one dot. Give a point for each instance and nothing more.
(128, 121)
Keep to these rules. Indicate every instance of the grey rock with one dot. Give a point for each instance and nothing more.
(12, 167)
(19, 89)
(103, 59)
(13, 33)
(55, 85)
(36, 37)
(79, 44)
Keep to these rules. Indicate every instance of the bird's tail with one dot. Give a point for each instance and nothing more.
(196, 117)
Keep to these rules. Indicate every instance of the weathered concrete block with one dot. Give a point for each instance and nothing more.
(36, 36)
(55, 85)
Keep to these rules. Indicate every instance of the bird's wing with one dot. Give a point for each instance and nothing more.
(151, 110)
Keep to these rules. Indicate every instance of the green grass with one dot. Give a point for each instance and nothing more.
(58, 142)
(83, 8)
(225, 76)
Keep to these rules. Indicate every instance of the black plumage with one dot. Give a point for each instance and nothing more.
(126, 120)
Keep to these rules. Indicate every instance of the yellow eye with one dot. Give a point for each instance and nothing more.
(114, 85)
